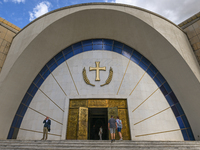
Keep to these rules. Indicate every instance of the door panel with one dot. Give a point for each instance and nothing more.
(112, 111)
(72, 124)
(83, 123)
(123, 115)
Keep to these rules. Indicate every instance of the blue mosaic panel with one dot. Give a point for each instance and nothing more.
(146, 61)
(143, 66)
(10, 134)
(77, 45)
(185, 135)
(180, 122)
(98, 42)
(107, 42)
(190, 134)
(87, 42)
(127, 51)
(108, 45)
(97, 47)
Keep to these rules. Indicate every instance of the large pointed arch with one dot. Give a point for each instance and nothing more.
(104, 45)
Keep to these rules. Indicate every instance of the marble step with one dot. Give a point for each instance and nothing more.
(98, 145)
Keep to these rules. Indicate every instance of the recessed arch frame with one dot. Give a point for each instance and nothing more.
(105, 45)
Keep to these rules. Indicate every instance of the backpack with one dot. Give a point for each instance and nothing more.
(119, 123)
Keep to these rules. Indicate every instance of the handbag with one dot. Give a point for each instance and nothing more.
(48, 129)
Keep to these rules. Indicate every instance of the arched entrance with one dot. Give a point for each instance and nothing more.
(104, 45)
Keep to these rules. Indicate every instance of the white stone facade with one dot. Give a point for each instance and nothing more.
(59, 87)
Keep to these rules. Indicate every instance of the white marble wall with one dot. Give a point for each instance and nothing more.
(59, 88)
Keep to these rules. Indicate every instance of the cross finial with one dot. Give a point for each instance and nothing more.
(97, 69)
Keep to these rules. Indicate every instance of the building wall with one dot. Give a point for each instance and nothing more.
(7, 32)
(159, 40)
(192, 28)
(150, 115)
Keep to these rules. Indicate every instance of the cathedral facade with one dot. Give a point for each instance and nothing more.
(81, 64)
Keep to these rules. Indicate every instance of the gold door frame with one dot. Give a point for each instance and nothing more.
(74, 115)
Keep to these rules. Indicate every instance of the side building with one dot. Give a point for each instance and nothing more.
(191, 27)
(7, 32)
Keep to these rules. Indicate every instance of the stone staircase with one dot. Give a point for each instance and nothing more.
(97, 145)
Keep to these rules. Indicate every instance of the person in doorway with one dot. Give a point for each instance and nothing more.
(119, 127)
(93, 132)
(100, 133)
(46, 128)
(112, 126)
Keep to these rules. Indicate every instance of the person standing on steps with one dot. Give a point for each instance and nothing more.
(119, 127)
(112, 126)
(46, 128)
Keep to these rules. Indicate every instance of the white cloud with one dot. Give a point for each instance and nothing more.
(174, 10)
(15, 1)
(40, 9)
(110, 1)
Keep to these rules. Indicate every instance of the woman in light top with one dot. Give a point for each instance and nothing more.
(119, 127)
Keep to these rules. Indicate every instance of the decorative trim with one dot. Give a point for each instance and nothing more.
(193, 18)
(47, 97)
(12, 26)
(85, 78)
(38, 132)
(72, 78)
(151, 116)
(158, 132)
(51, 100)
(58, 84)
(109, 77)
(43, 114)
(123, 77)
(19, 115)
(137, 84)
(145, 100)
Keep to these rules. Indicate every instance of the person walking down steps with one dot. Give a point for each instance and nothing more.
(46, 128)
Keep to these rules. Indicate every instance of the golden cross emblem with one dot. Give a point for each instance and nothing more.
(97, 69)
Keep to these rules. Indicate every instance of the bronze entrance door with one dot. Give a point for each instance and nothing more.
(82, 123)
(79, 123)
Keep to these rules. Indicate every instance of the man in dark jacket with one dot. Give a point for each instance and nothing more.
(47, 124)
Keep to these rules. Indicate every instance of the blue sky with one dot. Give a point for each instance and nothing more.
(22, 12)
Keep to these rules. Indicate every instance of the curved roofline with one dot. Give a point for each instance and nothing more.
(98, 3)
